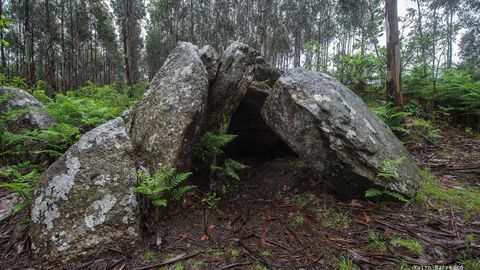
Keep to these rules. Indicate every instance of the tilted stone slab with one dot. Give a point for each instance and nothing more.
(235, 73)
(333, 130)
(167, 121)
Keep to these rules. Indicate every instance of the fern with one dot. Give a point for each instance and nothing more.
(372, 193)
(376, 193)
(229, 169)
(165, 185)
(21, 182)
(394, 119)
(210, 144)
(389, 168)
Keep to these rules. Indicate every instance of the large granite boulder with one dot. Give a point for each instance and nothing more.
(234, 75)
(86, 202)
(32, 116)
(167, 121)
(332, 129)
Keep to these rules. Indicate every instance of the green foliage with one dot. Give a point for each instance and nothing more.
(88, 106)
(375, 242)
(410, 244)
(53, 141)
(266, 253)
(164, 186)
(229, 169)
(303, 201)
(75, 113)
(424, 127)
(414, 108)
(334, 219)
(21, 180)
(457, 89)
(389, 168)
(210, 144)
(462, 198)
(16, 82)
(299, 218)
(149, 256)
(376, 193)
(346, 264)
(212, 200)
(471, 264)
(393, 118)
(361, 73)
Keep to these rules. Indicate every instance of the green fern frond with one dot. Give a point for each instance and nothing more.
(176, 180)
(210, 144)
(376, 193)
(178, 193)
(163, 186)
(372, 193)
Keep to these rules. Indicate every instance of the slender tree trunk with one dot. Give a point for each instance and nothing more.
(394, 90)
(62, 40)
(298, 35)
(192, 23)
(450, 38)
(29, 41)
(262, 9)
(50, 52)
(420, 33)
(2, 48)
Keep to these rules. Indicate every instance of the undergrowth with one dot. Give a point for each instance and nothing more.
(19, 179)
(210, 147)
(461, 198)
(164, 186)
(75, 113)
(412, 245)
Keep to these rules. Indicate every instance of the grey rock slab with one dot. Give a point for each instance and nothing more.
(86, 201)
(234, 75)
(167, 121)
(335, 132)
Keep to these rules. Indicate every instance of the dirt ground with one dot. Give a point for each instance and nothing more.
(280, 217)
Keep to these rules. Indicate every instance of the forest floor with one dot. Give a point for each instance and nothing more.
(277, 217)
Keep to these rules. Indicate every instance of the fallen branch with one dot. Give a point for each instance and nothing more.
(273, 243)
(170, 261)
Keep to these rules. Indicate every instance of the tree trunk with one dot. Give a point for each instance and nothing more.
(50, 52)
(29, 43)
(62, 37)
(2, 48)
(394, 90)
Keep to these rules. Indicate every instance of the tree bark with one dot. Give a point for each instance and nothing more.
(394, 90)
(2, 48)
(29, 43)
(50, 52)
